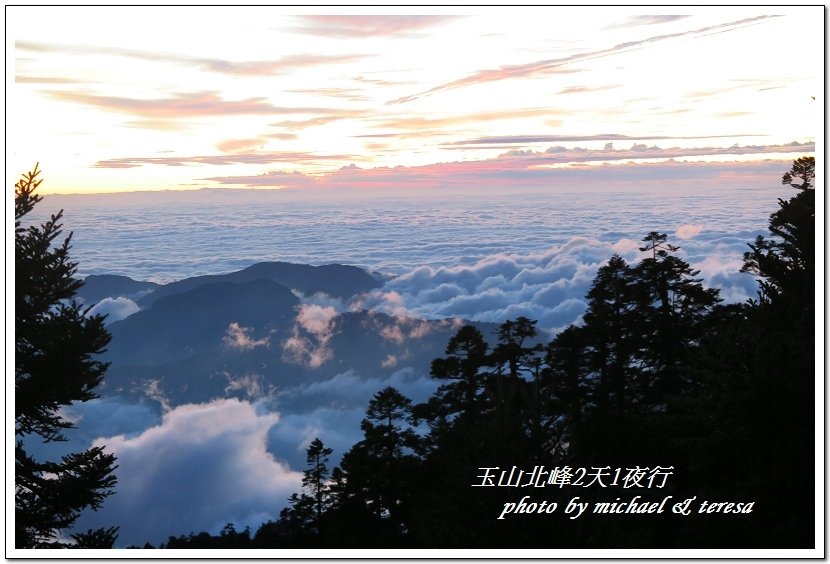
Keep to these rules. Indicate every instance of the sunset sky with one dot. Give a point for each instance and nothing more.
(148, 98)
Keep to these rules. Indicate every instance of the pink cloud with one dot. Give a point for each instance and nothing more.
(239, 145)
(227, 159)
(279, 66)
(309, 341)
(419, 122)
(332, 116)
(317, 320)
(238, 337)
(353, 94)
(24, 79)
(182, 105)
(549, 66)
(543, 169)
(587, 89)
(688, 231)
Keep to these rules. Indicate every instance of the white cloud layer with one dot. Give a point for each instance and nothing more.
(115, 309)
(548, 286)
(403, 230)
(332, 410)
(203, 466)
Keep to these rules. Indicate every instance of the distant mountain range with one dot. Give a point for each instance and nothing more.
(336, 280)
(100, 286)
(248, 333)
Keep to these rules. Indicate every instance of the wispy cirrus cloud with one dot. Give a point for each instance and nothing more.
(239, 145)
(305, 123)
(356, 26)
(415, 123)
(432, 134)
(282, 136)
(548, 66)
(525, 139)
(279, 66)
(636, 21)
(351, 94)
(182, 105)
(381, 81)
(228, 159)
(332, 115)
(28, 79)
(736, 85)
(585, 89)
(221, 66)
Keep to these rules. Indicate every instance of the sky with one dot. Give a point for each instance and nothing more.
(157, 98)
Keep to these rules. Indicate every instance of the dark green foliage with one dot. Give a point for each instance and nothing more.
(510, 356)
(785, 262)
(55, 365)
(565, 383)
(675, 304)
(228, 538)
(613, 318)
(301, 522)
(766, 392)
(466, 355)
(316, 475)
(96, 538)
(378, 469)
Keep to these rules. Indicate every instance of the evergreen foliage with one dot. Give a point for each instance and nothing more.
(55, 347)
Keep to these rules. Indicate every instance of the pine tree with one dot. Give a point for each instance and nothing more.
(785, 262)
(564, 382)
(758, 393)
(510, 351)
(316, 476)
(673, 305)
(466, 356)
(378, 469)
(55, 347)
(610, 322)
(385, 436)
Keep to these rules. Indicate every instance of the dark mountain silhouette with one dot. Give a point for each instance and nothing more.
(188, 345)
(99, 286)
(197, 336)
(188, 323)
(336, 280)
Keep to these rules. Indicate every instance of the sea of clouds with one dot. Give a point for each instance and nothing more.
(485, 255)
